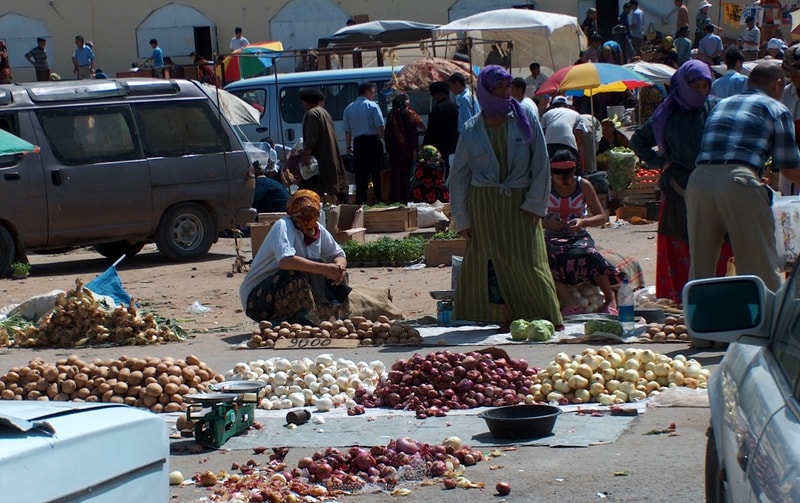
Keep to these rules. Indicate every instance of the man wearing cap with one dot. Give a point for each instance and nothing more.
(751, 39)
(725, 192)
(702, 20)
(38, 58)
(563, 127)
(775, 48)
(442, 130)
(319, 141)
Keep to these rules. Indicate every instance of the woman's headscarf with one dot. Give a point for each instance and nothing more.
(681, 95)
(303, 208)
(429, 154)
(494, 106)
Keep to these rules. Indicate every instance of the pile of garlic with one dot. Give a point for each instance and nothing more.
(588, 295)
(324, 382)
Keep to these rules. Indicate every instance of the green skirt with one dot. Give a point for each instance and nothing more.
(517, 251)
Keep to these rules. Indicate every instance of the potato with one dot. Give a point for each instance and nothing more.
(680, 329)
(121, 388)
(192, 360)
(157, 408)
(172, 407)
(69, 386)
(174, 370)
(135, 378)
(154, 389)
(383, 319)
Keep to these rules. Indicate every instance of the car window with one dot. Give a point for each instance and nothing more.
(89, 135)
(180, 128)
(255, 97)
(337, 97)
(786, 342)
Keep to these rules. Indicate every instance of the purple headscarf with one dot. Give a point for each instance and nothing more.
(494, 106)
(681, 95)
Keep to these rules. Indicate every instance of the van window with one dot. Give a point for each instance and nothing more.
(89, 135)
(177, 129)
(255, 97)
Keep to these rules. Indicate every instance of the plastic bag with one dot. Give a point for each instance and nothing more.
(309, 170)
(621, 167)
(197, 308)
(680, 396)
(455, 272)
(429, 214)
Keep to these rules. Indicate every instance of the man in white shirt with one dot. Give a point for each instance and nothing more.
(534, 80)
(518, 88)
(563, 127)
(238, 41)
(751, 40)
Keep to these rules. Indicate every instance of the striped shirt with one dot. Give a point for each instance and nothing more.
(39, 56)
(750, 128)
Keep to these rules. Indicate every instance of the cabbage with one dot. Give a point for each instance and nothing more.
(519, 330)
(540, 330)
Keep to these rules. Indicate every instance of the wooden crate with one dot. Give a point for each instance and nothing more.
(441, 251)
(400, 219)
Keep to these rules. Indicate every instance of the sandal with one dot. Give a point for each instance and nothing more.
(609, 310)
(572, 311)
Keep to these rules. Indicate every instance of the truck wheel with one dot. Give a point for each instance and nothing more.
(715, 490)
(118, 248)
(186, 232)
(7, 252)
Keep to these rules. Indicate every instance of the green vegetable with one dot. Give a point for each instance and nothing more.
(519, 330)
(607, 326)
(540, 330)
(621, 168)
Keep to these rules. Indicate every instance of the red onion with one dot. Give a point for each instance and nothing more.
(438, 468)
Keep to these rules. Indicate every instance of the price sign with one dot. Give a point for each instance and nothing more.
(316, 343)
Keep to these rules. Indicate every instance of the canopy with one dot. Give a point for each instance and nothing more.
(657, 72)
(418, 75)
(592, 78)
(251, 60)
(387, 32)
(236, 110)
(11, 144)
(552, 40)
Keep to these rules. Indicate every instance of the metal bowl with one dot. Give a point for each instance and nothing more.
(521, 421)
(238, 386)
(443, 294)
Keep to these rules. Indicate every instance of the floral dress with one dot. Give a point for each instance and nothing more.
(428, 185)
(573, 257)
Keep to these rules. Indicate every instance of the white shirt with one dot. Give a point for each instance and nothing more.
(285, 240)
(751, 39)
(559, 125)
(238, 43)
(533, 83)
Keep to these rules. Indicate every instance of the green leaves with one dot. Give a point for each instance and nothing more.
(385, 249)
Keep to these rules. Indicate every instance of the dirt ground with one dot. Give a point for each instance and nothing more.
(634, 468)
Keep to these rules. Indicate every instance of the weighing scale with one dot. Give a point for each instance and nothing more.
(227, 411)
(444, 306)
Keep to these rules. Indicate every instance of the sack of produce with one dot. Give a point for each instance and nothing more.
(621, 168)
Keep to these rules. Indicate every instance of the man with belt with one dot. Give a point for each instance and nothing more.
(725, 193)
(83, 59)
(363, 131)
(751, 39)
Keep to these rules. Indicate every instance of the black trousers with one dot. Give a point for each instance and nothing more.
(368, 162)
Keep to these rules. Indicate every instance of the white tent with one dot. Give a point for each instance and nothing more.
(552, 40)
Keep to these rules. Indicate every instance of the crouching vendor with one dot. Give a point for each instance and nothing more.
(299, 274)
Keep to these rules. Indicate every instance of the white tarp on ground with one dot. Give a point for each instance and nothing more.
(552, 40)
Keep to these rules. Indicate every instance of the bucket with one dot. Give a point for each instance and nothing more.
(619, 111)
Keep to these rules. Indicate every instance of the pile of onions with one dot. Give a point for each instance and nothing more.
(328, 472)
(324, 382)
(588, 296)
(614, 376)
(434, 384)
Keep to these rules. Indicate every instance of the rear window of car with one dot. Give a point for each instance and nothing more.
(180, 128)
(89, 135)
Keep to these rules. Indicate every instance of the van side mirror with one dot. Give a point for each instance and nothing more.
(728, 309)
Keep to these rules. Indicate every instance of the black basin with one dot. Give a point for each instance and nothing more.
(521, 421)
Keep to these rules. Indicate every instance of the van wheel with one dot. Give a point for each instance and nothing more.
(715, 490)
(7, 252)
(186, 232)
(118, 248)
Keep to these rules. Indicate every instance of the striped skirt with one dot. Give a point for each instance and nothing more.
(517, 251)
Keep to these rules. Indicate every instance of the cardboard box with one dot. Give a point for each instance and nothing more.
(91, 452)
(270, 218)
(346, 222)
(399, 219)
(258, 232)
(441, 251)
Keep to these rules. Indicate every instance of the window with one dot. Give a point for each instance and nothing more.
(786, 342)
(176, 129)
(89, 135)
(337, 97)
(255, 97)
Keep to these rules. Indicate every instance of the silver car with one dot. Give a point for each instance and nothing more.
(753, 451)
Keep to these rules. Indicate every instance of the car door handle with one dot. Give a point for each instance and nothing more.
(55, 175)
(290, 134)
(12, 177)
(743, 455)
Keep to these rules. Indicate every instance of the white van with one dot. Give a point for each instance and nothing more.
(280, 93)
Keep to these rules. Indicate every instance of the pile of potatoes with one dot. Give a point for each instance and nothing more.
(672, 330)
(158, 384)
(367, 332)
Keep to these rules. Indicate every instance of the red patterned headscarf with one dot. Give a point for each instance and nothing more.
(303, 208)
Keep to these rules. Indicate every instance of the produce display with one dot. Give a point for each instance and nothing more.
(434, 384)
(621, 168)
(324, 382)
(383, 331)
(673, 329)
(614, 376)
(332, 472)
(158, 384)
(534, 331)
(79, 319)
(588, 296)
(385, 250)
(606, 326)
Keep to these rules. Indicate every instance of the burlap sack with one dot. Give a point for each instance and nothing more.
(371, 302)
